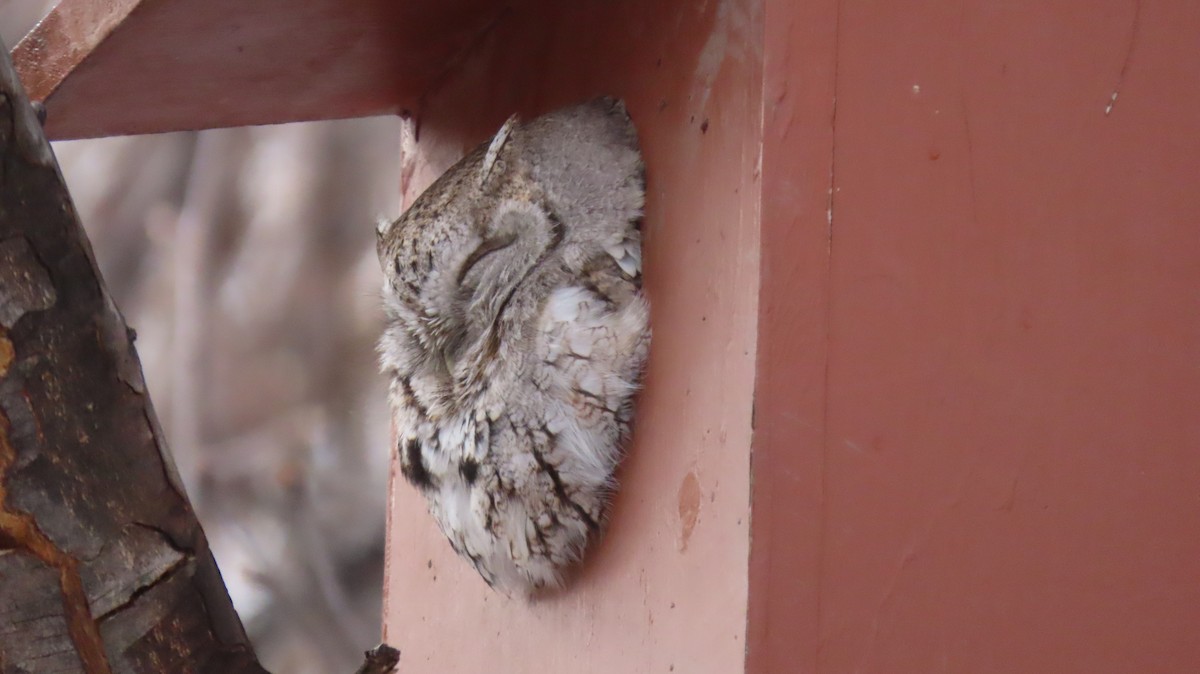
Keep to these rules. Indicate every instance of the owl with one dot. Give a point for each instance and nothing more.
(515, 336)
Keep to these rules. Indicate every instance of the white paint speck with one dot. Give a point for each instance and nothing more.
(1111, 102)
(916, 89)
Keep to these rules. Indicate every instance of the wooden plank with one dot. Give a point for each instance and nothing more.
(788, 522)
(1011, 441)
(665, 590)
(116, 67)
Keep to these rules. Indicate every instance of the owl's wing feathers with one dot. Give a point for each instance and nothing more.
(594, 354)
(628, 254)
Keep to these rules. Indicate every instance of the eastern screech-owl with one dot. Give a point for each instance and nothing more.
(516, 334)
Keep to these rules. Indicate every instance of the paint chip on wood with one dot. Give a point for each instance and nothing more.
(689, 508)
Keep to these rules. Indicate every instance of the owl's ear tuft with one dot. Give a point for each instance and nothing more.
(382, 226)
(494, 148)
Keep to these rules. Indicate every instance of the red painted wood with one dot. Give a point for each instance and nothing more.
(117, 67)
(666, 588)
(966, 315)
(1008, 445)
(788, 459)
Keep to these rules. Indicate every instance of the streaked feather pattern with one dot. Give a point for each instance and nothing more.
(516, 336)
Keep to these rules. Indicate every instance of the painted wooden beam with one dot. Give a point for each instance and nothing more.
(118, 67)
(665, 590)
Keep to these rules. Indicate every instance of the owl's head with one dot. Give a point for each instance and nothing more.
(538, 199)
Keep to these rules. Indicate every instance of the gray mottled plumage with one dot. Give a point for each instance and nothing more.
(516, 333)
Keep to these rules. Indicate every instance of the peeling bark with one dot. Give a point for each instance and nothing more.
(103, 565)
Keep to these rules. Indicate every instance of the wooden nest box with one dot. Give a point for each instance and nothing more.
(923, 390)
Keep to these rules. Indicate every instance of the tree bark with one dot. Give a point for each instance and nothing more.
(103, 565)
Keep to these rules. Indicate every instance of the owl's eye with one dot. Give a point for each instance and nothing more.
(485, 249)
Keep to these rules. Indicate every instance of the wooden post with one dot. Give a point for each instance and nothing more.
(666, 589)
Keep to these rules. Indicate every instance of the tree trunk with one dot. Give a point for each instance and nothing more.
(103, 565)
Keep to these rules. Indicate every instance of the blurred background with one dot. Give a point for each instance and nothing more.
(245, 261)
